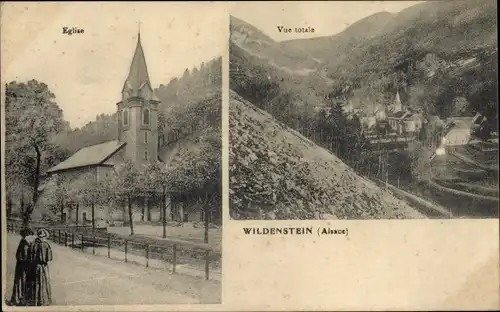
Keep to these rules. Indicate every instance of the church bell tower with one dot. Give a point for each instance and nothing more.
(138, 112)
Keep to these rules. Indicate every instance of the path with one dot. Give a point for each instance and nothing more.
(83, 279)
(429, 209)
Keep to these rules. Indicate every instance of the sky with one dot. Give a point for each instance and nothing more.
(86, 71)
(326, 17)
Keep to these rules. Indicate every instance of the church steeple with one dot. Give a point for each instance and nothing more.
(398, 106)
(138, 76)
(138, 112)
(397, 101)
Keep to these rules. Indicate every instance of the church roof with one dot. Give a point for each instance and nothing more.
(88, 156)
(138, 74)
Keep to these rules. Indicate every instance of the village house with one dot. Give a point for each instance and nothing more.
(459, 130)
(138, 141)
(380, 113)
(368, 122)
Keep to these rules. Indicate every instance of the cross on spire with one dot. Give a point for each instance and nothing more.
(139, 27)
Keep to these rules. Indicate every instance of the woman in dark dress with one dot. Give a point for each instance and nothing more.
(39, 289)
(18, 297)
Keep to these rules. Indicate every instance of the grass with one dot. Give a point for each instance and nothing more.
(185, 232)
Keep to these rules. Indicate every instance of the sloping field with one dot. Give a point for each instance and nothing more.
(276, 173)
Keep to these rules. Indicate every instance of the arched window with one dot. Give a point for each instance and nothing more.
(145, 117)
(125, 117)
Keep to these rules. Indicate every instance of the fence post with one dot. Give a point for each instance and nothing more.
(65, 239)
(72, 240)
(207, 261)
(175, 258)
(147, 255)
(82, 242)
(93, 244)
(59, 237)
(109, 246)
(126, 242)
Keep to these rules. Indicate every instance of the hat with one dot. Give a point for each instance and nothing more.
(26, 232)
(42, 233)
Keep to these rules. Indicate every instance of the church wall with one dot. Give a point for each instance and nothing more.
(85, 213)
(153, 135)
(104, 171)
(133, 144)
(185, 211)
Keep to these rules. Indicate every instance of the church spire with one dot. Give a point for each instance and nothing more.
(138, 74)
(397, 101)
(398, 106)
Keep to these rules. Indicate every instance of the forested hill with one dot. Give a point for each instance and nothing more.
(434, 52)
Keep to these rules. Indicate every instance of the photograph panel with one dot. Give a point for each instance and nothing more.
(113, 153)
(388, 110)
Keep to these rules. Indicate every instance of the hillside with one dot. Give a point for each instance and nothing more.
(254, 78)
(276, 173)
(326, 49)
(260, 45)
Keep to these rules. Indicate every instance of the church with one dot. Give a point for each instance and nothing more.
(139, 141)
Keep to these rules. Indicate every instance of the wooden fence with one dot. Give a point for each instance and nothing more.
(164, 254)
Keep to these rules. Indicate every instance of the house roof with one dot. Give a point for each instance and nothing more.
(461, 121)
(461, 124)
(88, 156)
(400, 114)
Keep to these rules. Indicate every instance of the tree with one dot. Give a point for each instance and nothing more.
(484, 131)
(32, 119)
(86, 190)
(61, 193)
(157, 181)
(197, 172)
(125, 186)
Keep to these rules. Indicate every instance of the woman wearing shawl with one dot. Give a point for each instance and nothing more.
(39, 290)
(19, 290)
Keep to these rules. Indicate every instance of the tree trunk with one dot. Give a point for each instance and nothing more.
(148, 208)
(9, 206)
(77, 212)
(144, 203)
(29, 209)
(62, 211)
(164, 209)
(22, 198)
(131, 221)
(206, 211)
(93, 216)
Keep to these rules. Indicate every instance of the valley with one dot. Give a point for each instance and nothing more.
(434, 61)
